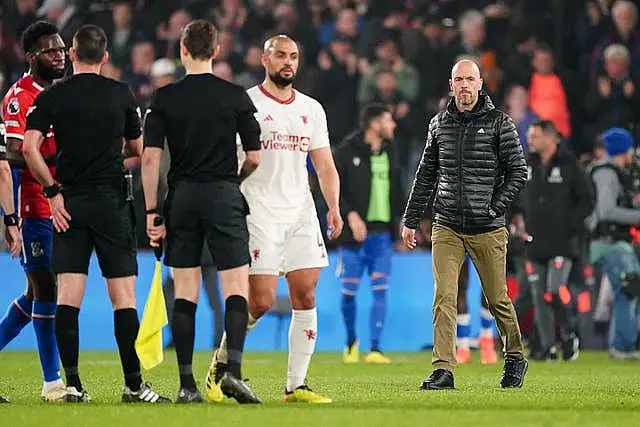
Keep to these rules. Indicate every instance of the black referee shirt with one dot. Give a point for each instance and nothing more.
(200, 115)
(91, 115)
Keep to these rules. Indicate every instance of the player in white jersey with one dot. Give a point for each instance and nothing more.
(284, 232)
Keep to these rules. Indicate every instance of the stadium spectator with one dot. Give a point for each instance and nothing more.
(223, 70)
(168, 34)
(517, 106)
(516, 62)
(613, 100)
(472, 36)
(252, 72)
(422, 47)
(624, 15)
(122, 35)
(138, 74)
(547, 95)
(347, 23)
(163, 72)
(388, 59)
(228, 54)
(111, 71)
(24, 14)
(287, 21)
(338, 68)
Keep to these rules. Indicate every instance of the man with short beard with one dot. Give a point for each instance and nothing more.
(473, 168)
(371, 197)
(284, 232)
(45, 53)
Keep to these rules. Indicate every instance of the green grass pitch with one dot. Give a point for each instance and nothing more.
(589, 392)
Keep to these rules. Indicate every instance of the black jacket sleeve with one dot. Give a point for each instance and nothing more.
(582, 197)
(511, 161)
(425, 180)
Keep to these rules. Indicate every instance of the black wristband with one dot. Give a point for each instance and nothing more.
(11, 219)
(151, 211)
(51, 191)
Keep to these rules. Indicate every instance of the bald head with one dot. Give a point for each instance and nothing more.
(280, 59)
(466, 84)
(272, 43)
(465, 66)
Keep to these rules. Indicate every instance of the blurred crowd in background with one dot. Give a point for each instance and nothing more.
(574, 62)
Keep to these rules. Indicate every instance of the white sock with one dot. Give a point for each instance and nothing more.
(486, 315)
(463, 343)
(222, 355)
(463, 324)
(302, 342)
(49, 385)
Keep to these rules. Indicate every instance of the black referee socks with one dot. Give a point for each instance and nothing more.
(126, 327)
(236, 317)
(183, 327)
(66, 327)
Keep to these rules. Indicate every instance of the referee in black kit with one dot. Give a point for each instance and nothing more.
(91, 115)
(199, 116)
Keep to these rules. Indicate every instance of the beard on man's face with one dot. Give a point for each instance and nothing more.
(281, 80)
(48, 71)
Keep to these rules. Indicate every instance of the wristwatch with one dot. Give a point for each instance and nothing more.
(151, 211)
(11, 220)
(51, 191)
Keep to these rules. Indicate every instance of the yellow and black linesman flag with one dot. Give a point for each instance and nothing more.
(149, 340)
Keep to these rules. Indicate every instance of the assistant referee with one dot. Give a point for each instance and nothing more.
(199, 116)
(90, 115)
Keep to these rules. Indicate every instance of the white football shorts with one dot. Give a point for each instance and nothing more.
(278, 249)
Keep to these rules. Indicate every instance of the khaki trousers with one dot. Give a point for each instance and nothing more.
(488, 251)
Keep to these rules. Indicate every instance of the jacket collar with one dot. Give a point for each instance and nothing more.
(483, 106)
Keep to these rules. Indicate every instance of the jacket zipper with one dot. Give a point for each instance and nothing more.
(460, 142)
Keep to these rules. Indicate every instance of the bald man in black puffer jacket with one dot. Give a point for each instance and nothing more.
(473, 169)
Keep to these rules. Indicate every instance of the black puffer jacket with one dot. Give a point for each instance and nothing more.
(474, 162)
(555, 201)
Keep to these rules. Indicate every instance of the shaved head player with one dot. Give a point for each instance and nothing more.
(284, 232)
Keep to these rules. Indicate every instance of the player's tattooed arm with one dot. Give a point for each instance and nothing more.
(250, 164)
(15, 157)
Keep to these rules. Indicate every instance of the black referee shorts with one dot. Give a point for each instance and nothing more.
(215, 211)
(104, 221)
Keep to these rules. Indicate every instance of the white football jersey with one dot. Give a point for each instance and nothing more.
(278, 190)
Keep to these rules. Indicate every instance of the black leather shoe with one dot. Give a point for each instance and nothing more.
(440, 379)
(513, 373)
(4, 399)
